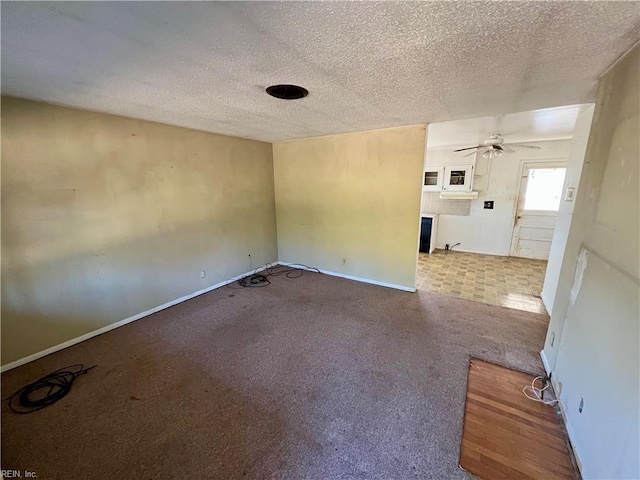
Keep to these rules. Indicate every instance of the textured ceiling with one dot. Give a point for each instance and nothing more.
(367, 65)
(535, 125)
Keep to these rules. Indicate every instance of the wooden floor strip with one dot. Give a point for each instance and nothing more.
(508, 436)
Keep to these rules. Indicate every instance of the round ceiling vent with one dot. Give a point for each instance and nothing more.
(287, 92)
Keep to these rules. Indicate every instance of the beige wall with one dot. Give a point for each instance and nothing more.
(351, 203)
(595, 320)
(105, 217)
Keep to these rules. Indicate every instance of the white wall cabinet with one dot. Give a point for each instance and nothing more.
(448, 178)
(432, 181)
(457, 178)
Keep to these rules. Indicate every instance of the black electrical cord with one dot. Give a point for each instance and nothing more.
(45, 391)
(294, 270)
(255, 280)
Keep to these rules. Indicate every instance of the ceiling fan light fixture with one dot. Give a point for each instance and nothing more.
(492, 153)
(494, 147)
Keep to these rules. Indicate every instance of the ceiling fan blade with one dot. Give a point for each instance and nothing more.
(509, 150)
(523, 145)
(468, 148)
(469, 154)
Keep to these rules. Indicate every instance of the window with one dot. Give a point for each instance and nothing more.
(544, 188)
(431, 178)
(457, 177)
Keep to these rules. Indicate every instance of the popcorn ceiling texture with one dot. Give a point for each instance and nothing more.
(367, 65)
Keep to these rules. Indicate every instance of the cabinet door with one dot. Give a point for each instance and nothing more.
(432, 181)
(458, 178)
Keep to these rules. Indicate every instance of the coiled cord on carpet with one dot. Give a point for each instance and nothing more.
(294, 270)
(46, 390)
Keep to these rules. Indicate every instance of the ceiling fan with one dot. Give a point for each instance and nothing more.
(494, 147)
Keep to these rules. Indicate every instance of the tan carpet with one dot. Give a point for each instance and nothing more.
(316, 377)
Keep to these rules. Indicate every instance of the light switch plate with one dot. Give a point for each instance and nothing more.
(568, 195)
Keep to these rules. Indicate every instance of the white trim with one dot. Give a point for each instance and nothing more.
(146, 313)
(545, 362)
(563, 414)
(570, 435)
(618, 60)
(424, 126)
(545, 301)
(115, 325)
(351, 277)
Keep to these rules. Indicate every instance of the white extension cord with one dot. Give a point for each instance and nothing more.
(538, 392)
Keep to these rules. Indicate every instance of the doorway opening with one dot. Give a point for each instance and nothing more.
(493, 190)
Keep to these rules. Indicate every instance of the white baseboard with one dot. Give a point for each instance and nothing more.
(545, 362)
(570, 434)
(146, 313)
(120, 323)
(545, 302)
(351, 277)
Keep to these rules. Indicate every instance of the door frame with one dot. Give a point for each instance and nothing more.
(558, 162)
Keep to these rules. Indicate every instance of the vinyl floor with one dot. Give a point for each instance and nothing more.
(505, 281)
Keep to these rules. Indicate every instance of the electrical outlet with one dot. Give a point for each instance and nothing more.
(203, 274)
(581, 405)
(488, 204)
(446, 246)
